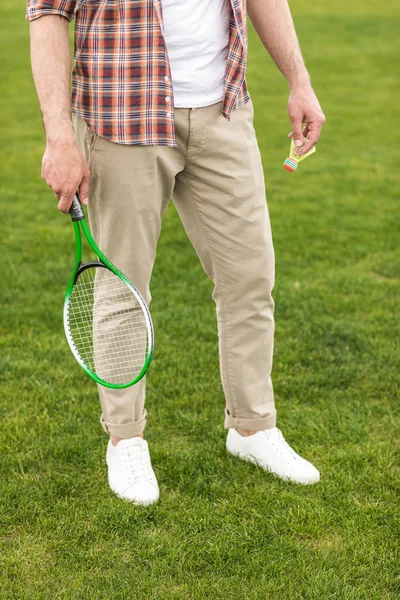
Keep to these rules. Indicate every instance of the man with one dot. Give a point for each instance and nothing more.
(161, 109)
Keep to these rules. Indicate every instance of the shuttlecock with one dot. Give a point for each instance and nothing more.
(291, 163)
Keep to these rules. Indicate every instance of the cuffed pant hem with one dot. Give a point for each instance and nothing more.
(259, 424)
(125, 430)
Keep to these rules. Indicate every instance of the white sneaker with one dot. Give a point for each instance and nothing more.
(130, 474)
(270, 451)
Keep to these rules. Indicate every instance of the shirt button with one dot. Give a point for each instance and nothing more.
(168, 115)
(166, 78)
(167, 98)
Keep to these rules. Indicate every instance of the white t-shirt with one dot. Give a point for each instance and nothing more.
(196, 33)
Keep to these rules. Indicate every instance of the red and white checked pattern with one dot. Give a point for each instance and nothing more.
(121, 83)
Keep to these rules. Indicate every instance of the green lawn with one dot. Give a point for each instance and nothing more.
(223, 529)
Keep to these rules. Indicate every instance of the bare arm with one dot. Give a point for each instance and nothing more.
(274, 25)
(64, 168)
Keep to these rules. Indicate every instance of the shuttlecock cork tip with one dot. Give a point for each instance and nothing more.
(290, 164)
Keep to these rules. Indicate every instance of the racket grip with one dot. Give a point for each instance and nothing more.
(76, 210)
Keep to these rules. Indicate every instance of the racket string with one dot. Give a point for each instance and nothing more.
(108, 326)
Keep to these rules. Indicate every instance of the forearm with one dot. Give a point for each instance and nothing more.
(273, 23)
(64, 167)
(51, 67)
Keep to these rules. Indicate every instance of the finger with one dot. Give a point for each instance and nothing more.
(313, 137)
(297, 129)
(306, 130)
(84, 190)
(65, 202)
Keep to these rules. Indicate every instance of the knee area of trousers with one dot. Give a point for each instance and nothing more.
(256, 283)
(255, 293)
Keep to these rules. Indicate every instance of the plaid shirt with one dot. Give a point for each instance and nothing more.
(121, 82)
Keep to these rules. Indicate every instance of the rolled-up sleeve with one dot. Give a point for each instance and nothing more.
(40, 8)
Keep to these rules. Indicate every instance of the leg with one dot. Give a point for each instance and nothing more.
(220, 197)
(130, 187)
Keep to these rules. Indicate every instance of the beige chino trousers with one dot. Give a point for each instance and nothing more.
(215, 179)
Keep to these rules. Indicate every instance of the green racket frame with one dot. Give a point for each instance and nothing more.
(79, 221)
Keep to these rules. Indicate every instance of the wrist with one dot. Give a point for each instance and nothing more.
(300, 81)
(66, 139)
(59, 132)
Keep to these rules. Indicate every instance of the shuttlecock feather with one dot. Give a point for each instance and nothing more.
(291, 163)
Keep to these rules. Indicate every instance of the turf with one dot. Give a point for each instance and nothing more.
(223, 529)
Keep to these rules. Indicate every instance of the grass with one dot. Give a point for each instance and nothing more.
(223, 529)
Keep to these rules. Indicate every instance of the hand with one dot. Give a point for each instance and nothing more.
(65, 170)
(304, 108)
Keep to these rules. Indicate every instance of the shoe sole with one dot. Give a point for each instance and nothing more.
(251, 459)
(135, 502)
(132, 500)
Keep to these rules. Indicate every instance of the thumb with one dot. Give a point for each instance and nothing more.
(64, 203)
(297, 127)
(84, 190)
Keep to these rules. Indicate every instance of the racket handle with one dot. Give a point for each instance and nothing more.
(76, 210)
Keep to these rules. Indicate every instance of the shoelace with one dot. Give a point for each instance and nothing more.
(137, 463)
(277, 440)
